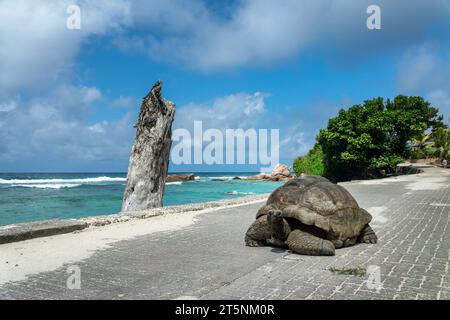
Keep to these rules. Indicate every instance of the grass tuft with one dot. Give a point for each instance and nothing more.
(357, 271)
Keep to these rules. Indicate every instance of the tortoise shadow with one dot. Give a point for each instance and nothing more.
(279, 250)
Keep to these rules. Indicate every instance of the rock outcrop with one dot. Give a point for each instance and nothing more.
(180, 177)
(149, 160)
(281, 172)
(261, 176)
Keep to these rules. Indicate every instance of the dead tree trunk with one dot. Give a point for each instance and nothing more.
(149, 160)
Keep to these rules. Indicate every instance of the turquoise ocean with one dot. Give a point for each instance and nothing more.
(40, 196)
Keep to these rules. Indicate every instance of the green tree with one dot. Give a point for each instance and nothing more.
(411, 117)
(375, 135)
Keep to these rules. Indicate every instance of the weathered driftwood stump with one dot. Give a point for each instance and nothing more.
(149, 160)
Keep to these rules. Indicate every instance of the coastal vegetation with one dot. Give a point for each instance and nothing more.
(310, 164)
(370, 139)
(442, 141)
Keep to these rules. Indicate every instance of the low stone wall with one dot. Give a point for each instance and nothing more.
(407, 169)
(30, 230)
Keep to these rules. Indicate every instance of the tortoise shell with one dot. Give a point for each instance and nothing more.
(316, 201)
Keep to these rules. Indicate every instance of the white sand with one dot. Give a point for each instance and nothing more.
(21, 259)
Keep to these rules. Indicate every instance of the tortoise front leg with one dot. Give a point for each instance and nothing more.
(258, 233)
(305, 243)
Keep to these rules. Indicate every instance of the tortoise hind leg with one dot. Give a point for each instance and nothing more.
(367, 235)
(305, 243)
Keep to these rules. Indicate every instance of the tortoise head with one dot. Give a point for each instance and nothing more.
(274, 216)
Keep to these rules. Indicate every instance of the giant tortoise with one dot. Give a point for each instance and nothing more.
(311, 216)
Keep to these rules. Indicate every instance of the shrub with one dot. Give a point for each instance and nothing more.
(431, 152)
(427, 152)
(311, 164)
(442, 141)
(387, 163)
(418, 154)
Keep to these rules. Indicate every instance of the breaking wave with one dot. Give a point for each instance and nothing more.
(46, 186)
(174, 183)
(235, 192)
(226, 177)
(59, 181)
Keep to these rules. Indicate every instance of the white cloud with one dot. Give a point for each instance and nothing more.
(99, 127)
(124, 102)
(264, 32)
(249, 110)
(241, 110)
(50, 126)
(8, 106)
(37, 49)
(425, 70)
(56, 131)
(294, 143)
(91, 95)
(257, 32)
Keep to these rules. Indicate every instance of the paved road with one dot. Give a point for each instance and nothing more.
(207, 260)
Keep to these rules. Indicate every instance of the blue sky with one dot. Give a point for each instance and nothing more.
(69, 98)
